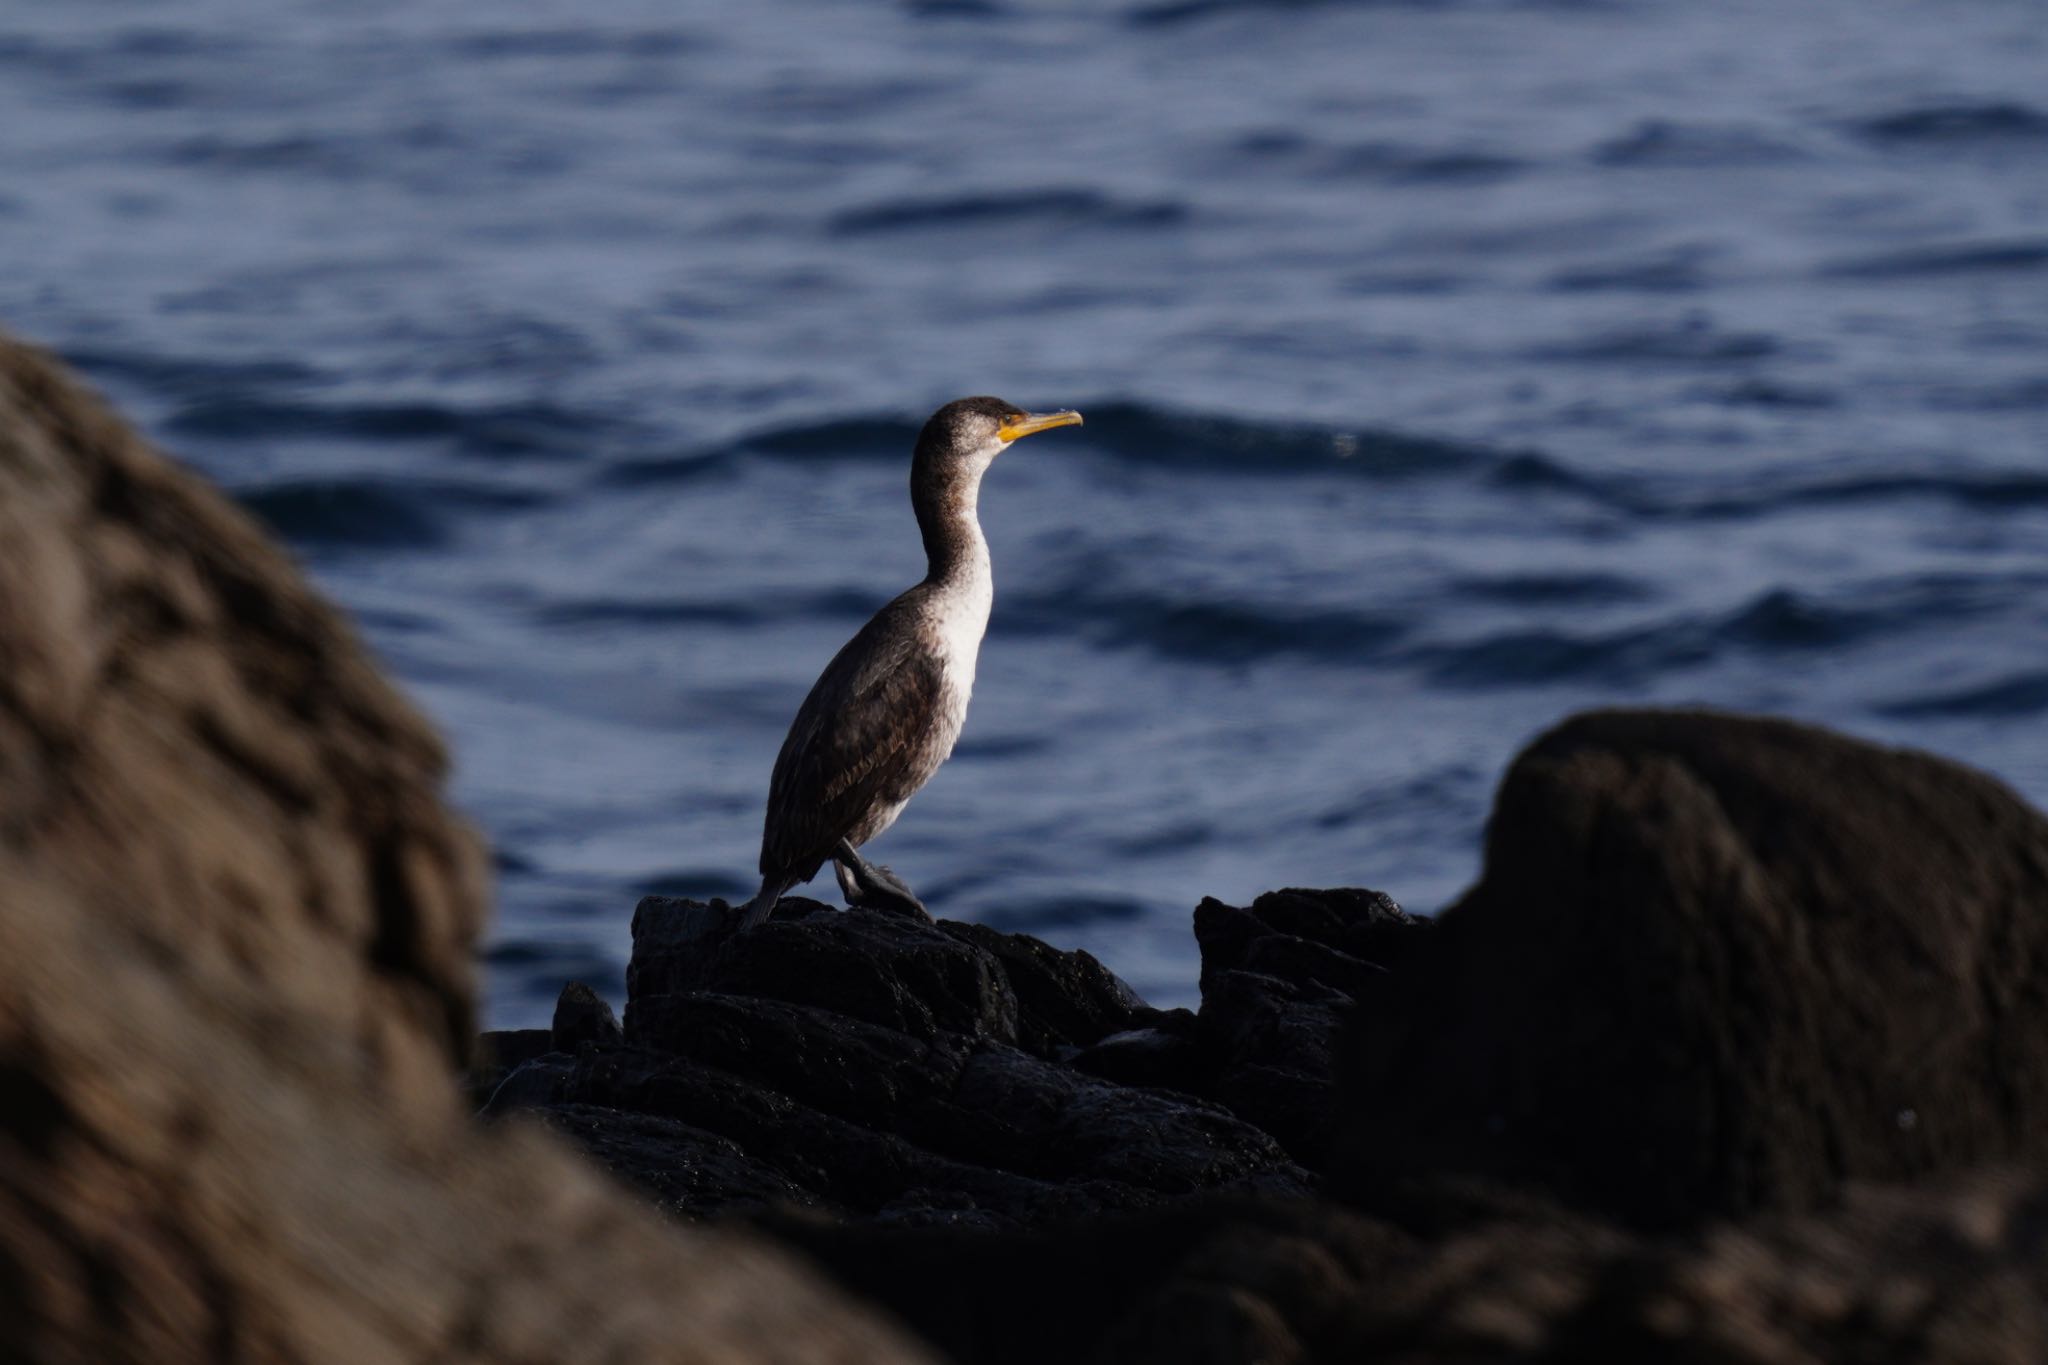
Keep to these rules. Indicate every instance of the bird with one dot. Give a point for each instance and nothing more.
(888, 709)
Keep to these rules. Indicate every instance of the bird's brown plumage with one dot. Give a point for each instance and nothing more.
(865, 739)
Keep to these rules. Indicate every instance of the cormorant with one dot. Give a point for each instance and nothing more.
(886, 711)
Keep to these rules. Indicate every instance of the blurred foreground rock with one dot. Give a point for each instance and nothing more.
(236, 924)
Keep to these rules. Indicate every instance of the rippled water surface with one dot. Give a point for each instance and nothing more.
(1447, 367)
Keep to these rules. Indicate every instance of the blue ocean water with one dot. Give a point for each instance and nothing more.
(1448, 366)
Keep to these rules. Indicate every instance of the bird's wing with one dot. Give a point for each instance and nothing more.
(857, 742)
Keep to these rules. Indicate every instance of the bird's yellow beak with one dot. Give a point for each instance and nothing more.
(1038, 421)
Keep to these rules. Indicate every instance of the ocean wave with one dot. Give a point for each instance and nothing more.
(1132, 432)
(653, 471)
(1051, 207)
(2019, 694)
(855, 435)
(580, 41)
(2014, 396)
(1400, 163)
(1948, 258)
(1143, 434)
(373, 513)
(1664, 142)
(186, 376)
(1788, 619)
(956, 9)
(1778, 620)
(531, 970)
(1549, 587)
(1963, 122)
(1990, 490)
(297, 153)
(1694, 339)
(1781, 619)
(1153, 13)
(756, 608)
(510, 429)
(1531, 471)
(1528, 657)
(700, 883)
(1758, 392)
(1037, 914)
(1676, 270)
(1212, 631)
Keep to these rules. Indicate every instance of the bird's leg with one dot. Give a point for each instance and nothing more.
(869, 887)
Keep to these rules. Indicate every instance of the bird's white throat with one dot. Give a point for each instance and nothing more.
(966, 592)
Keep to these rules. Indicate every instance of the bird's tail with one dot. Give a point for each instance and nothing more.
(757, 910)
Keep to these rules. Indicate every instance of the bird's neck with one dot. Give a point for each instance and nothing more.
(948, 516)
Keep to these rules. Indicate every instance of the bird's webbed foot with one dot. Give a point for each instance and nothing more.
(869, 886)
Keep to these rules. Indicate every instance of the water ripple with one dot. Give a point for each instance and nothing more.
(1948, 124)
(1010, 208)
(511, 429)
(370, 513)
(1662, 142)
(2021, 694)
(1206, 629)
(1948, 258)
(1147, 435)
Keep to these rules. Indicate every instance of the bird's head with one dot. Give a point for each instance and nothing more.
(971, 432)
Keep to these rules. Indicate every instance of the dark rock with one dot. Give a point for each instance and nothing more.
(867, 1060)
(1059, 1124)
(237, 928)
(1943, 1276)
(683, 1169)
(1148, 1057)
(1064, 999)
(675, 940)
(1271, 1047)
(841, 1064)
(582, 1017)
(1719, 965)
(1346, 932)
(876, 1171)
(890, 970)
(1278, 979)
